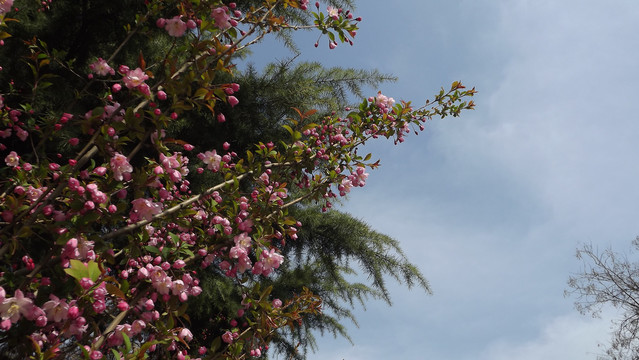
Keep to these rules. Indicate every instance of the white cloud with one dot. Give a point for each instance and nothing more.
(567, 337)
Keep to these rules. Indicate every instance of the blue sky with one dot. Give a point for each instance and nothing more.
(493, 205)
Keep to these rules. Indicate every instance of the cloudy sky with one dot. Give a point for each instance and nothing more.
(493, 205)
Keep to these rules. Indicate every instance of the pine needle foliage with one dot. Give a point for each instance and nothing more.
(345, 262)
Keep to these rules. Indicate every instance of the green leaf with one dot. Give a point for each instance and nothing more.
(127, 342)
(175, 238)
(215, 345)
(289, 129)
(77, 270)
(152, 249)
(309, 126)
(116, 354)
(94, 271)
(124, 285)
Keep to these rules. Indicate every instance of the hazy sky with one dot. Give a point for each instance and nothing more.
(493, 205)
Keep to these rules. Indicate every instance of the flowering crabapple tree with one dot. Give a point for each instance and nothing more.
(102, 238)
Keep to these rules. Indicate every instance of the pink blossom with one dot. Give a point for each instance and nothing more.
(100, 170)
(358, 178)
(170, 162)
(138, 326)
(100, 67)
(179, 288)
(345, 187)
(12, 159)
(146, 90)
(227, 337)
(41, 321)
(134, 78)
(195, 291)
(211, 159)
(185, 334)
(5, 6)
(221, 17)
(89, 205)
(7, 216)
(232, 101)
(144, 209)
(271, 260)
(243, 240)
(244, 263)
(57, 310)
(78, 327)
(73, 312)
(246, 225)
(99, 306)
(34, 194)
(12, 308)
(175, 26)
(277, 303)
(120, 165)
(20, 132)
(86, 283)
(163, 286)
(333, 12)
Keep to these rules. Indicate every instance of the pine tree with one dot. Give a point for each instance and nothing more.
(333, 247)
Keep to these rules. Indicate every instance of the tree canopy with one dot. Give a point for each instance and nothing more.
(132, 188)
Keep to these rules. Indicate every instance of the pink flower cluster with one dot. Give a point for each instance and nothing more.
(120, 167)
(164, 285)
(175, 166)
(14, 126)
(135, 79)
(269, 260)
(54, 314)
(77, 248)
(222, 17)
(384, 103)
(175, 26)
(356, 179)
